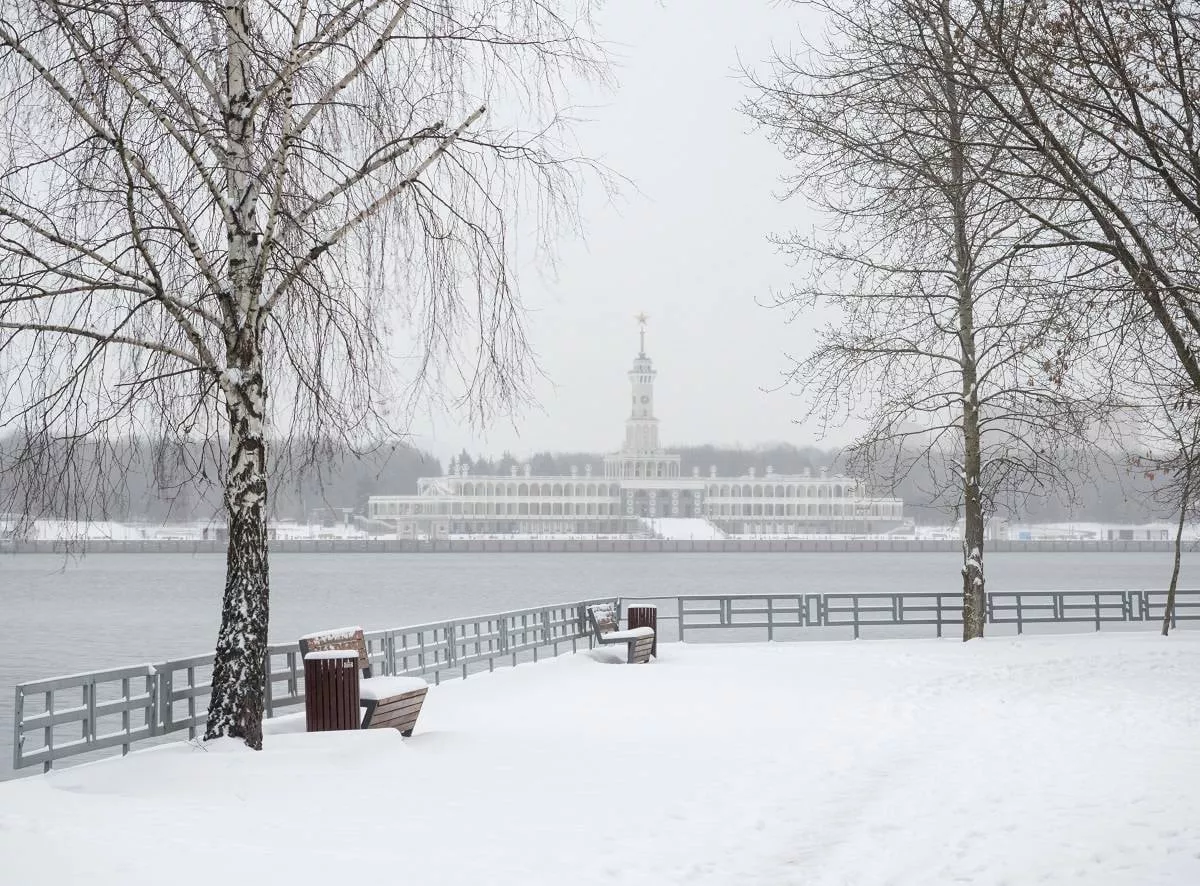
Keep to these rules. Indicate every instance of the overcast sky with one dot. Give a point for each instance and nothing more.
(688, 247)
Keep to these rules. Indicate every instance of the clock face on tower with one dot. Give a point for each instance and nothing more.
(645, 399)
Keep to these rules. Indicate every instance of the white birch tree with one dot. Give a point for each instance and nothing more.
(216, 218)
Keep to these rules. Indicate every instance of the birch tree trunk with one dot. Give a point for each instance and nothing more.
(239, 678)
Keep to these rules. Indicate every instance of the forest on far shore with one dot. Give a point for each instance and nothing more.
(315, 483)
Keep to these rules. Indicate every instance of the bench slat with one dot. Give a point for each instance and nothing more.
(399, 713)
(408, 704)
(405, 725)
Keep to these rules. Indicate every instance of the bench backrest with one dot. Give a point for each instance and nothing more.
(604, 618)
(339, 638)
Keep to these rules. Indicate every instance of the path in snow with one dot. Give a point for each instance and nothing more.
(1048, 760)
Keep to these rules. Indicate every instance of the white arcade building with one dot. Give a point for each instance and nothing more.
(643, 490)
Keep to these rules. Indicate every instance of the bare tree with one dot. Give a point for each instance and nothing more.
(213, 214)
(1187, 438)
(1167, 418)
(1102, 102)
(949, 340)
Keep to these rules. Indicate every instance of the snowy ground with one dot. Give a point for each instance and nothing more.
(1162, 531)
(682, 528)
(677, 528)
(74, 530)
(1048, 760)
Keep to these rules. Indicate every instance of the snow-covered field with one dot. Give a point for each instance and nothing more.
(76, 530)
(1049, 760)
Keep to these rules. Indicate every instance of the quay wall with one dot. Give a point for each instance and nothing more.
(588, 546)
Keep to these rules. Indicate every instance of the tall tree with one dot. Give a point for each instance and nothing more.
(944, 342)
(1101, 99)
(1166, 416)
(213, 213)
(1187, 439)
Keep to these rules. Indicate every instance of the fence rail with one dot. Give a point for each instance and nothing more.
(768, 616)
(83, 713)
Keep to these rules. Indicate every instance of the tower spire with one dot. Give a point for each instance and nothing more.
(641, 428)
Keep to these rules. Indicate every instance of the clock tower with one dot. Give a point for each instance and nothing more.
(641, 428)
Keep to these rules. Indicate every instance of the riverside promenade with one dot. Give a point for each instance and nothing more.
(1052, 759)
(110, 711)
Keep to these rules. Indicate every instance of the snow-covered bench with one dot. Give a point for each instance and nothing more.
(605, 626)
(393, 702)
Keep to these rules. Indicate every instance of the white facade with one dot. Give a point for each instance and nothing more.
(640, 481)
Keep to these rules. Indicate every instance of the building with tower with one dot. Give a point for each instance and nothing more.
(644, 491)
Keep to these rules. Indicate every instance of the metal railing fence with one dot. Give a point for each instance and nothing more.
(780, 616)
(101, 710)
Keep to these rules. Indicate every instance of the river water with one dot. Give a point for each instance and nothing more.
(61, 615)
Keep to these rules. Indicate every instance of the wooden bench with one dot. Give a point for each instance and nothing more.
(605, 627)
(389, 702)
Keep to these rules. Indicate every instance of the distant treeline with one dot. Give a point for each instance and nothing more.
(141, 480)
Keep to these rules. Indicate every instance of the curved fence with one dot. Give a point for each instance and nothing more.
(97, 711)
(103, 710)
